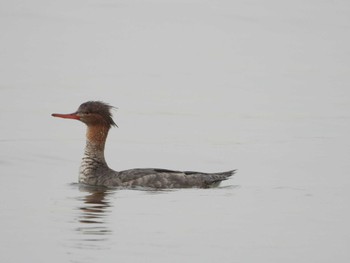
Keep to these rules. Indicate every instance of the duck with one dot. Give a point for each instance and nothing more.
(94, 170)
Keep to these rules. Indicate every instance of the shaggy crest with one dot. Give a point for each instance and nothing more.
(98, 107)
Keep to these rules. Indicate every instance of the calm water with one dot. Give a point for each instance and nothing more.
(258, 87)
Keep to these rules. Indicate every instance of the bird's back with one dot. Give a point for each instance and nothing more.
(162, 178)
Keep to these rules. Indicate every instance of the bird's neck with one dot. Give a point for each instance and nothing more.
(96, 136)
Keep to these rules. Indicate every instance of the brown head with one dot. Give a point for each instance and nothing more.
(92, 113)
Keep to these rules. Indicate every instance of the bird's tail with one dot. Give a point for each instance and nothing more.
(217, 178)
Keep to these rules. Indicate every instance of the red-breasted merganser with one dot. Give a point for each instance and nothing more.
(95, 171)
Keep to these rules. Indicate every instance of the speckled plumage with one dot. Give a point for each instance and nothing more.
(95, 171)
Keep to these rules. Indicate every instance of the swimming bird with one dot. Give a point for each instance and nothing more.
(94, 170)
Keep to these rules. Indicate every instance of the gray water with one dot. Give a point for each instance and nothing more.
(258, 86)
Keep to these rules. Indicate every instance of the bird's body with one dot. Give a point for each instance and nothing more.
(95, 171)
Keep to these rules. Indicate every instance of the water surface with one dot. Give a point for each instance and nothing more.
(214, 86)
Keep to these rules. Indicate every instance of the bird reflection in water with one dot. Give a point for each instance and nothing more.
(93, 216)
